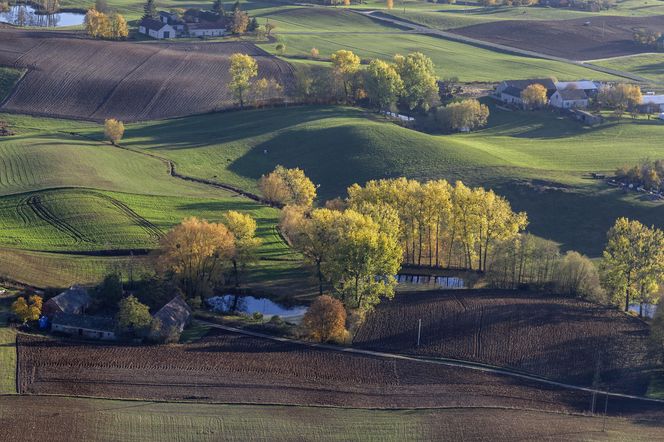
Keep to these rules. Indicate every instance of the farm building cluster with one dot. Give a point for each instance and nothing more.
(66, 314)
(570, 95)
(193, 23)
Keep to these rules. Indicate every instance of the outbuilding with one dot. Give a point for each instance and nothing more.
(74, 301)
(569, 98)
(173, 316)
(156, 29)
(90, 327)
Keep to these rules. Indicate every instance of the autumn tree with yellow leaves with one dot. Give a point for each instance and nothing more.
(243, 68)
(325, 320)
(345, 65)
(195, 253)
(27, 310)
(101, 25)
(288, 187)
(242, 228)
(534, 96)
(114, 130)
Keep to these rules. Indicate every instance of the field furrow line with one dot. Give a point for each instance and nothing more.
(43, 213)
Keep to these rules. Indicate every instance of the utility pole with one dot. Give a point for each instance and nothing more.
(419, 331)
(606, 408)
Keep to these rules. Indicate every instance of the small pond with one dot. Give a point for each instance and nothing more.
(250, 305)
(648, 309)
(26, 15)
(443, 282)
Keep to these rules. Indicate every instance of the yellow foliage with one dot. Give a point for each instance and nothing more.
(27, 310)
(314, 53)
(390, 4)
(196, 251)
(325, 320)
(243, 69)
(100, 25)
(534, 96)
(114, 130)
(288, 186)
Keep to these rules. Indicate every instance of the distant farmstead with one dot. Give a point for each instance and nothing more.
(569, 99)
(72, 301)
(194, 23)
(91, 327)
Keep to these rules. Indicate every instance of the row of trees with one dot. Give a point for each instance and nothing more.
(243, 70)
(620, 97)
(443, 225)
(101, 25)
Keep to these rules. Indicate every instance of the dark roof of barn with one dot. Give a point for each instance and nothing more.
(175, 313)
(151, 23)
(572, 94)
(522, 84)
(511, 90)
(72, 299)
(96, 323)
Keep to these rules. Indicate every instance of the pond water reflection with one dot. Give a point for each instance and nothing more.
(26, 15)
(248, 304)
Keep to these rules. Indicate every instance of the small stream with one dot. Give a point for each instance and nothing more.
(26, 15)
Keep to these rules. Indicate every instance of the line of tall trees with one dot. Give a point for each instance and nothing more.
(109, 26)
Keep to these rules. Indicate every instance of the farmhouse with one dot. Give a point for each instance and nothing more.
(92, 327)
(509, 91)
(72, 301)
(654, 102)
(156, 29)
(194, 23)
(569, 99)
(591, 88)
(174, 315)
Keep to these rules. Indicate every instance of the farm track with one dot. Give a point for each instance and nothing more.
(35, 203)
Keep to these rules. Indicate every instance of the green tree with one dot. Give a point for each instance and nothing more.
(218, 7)
(150, 9)
(243, 229)
(109, 293)
(417, 72)
(383, 84)
(363, 259)
(133, 317)
(463, 115)
(633, 261)
(243, 69)
(345, 65)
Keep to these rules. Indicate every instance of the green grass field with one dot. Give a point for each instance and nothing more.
(650, 66)
(8, 78)
(93, 420)
(537, 159)
(329, 30)
(7, 349)
(70, 193)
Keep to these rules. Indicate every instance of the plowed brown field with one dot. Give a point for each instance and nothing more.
(70, 76)
(238, 369)
(554, 337)
(604, 37)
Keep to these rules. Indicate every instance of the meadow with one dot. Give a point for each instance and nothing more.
(329, 30)
(650, 66)
(539, 160)
(8, 78)
(127, 421)
(93, 204)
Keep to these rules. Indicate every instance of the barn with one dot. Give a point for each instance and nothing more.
(173, 316)
(569, 99)
(90, 327)
(156, 29)
(74, 301)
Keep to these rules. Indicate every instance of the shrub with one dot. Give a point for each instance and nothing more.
(463, 115)
(257, 316)
(325, 320)
(578, 276)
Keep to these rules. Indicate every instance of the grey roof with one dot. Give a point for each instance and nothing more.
(174, 314)
(572, 94)
(72, 299)
(522, 84)
(96, 323)
(150, 23)
(513, 91)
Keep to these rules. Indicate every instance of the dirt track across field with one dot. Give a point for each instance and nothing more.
(603, 37)
(74, 77)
